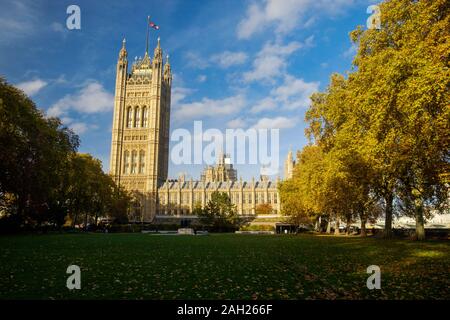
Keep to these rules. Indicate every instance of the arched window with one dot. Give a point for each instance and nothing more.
(136, 117)
(144, 117)
(126, 162)
(141, 161)
(133, 162)
(129, 117)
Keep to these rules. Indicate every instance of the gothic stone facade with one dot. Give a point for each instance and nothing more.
(140, 147)
(178, 198)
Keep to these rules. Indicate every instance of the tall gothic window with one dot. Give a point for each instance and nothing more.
(133, 162)
(126, 162)
(144, 117)
(129, 117)
(136, 117)
(141, 161)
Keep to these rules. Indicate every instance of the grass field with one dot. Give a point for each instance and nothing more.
(222, 266)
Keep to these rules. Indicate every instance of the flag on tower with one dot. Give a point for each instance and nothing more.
(153, 25)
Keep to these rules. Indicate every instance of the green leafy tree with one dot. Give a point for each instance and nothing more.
(220, 213)
(390, 117)
(402, 87)
(119, 205)
(34, 156)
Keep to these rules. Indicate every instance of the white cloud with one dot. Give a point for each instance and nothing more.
(224, 60)
(237, 123)
(18, 19)
(209, 108)
(264, 105)
(92, 98)
(228, 58)
(195, 60)
(271, 61)
(275, 123)
(57, 27)
(178, 94)
(32, 87)
(202, 78)
(77, 127)
(350, 52)
(285, 15)
(293, 94)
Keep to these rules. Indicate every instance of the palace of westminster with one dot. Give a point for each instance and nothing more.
(140, 150)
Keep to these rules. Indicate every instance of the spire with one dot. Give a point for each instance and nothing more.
(289, 156)
(167, 71)
(123, 51)
(158, 51)
(289, 165)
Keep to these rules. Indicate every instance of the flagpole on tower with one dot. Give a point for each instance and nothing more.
(146, 41)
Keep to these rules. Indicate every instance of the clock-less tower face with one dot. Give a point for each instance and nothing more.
(140, 132)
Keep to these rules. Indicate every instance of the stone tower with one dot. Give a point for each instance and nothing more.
(140, 130)
(289, 166)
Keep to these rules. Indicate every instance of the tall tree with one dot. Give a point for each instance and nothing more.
(34, 153)
(402, 86)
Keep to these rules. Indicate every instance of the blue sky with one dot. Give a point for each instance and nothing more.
(236, 64)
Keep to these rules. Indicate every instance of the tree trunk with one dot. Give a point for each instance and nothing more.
(420, 227)
(336, 229)
(389, 199)
(348, 226)
(74, 220)
(320, 224)
(96, 219)
(363, 227)
(329, 226)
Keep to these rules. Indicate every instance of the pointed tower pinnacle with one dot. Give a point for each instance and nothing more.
(289, 165)
(167, 71)
(158, 51)
(123, 51)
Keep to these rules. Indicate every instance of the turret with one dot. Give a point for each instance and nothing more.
(122, 65)
(167, 72)
(118, 117)
(289, 165)
(123, 51)
(157, 56)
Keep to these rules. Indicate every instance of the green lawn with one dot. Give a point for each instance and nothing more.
(226, 266)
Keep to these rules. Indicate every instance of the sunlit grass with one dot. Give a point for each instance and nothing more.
(225, 266)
